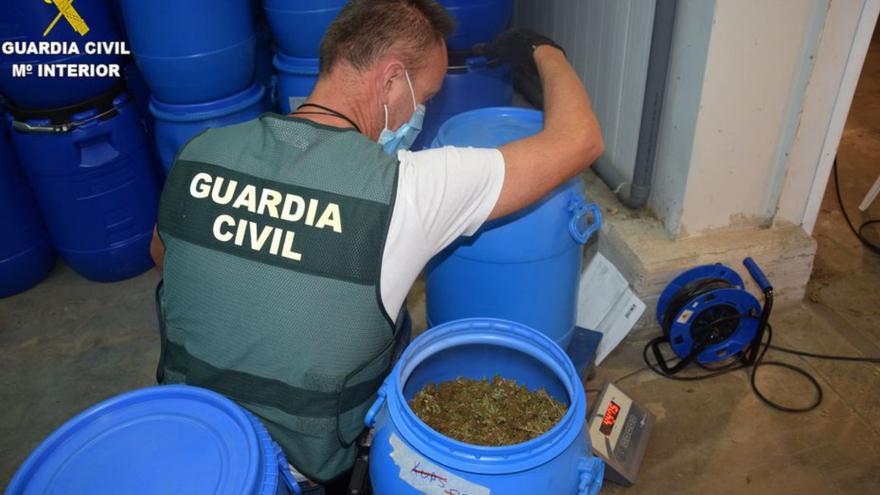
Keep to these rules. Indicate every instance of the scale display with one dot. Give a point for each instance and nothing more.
(619, 431)
(610, 418)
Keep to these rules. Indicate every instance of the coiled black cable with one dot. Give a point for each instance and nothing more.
(736, 364)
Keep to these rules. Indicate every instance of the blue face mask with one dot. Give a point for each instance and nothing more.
(405, 136)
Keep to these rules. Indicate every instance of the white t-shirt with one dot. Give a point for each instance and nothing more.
(442, 194)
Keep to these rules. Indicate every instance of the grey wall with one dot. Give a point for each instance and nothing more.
(608, 42)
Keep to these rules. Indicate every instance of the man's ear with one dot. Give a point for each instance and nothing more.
(393, 70)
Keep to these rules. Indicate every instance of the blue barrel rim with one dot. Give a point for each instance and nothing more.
(252, 38)
(193, 112)
(253, 481)
(528, 115)
(296, 65)
(476, 458)
(119, 101)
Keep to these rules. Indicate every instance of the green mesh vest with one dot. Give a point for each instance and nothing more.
(274, 231)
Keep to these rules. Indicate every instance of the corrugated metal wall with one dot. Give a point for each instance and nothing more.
(608, 42)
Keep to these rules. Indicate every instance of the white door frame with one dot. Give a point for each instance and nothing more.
(859, 48)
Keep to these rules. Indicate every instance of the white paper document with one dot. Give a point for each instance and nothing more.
(606, 304)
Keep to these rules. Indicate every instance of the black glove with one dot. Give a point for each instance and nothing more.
(515, 47)
(528, 83)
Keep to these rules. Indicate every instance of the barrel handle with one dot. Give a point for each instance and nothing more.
(286, 475)
(592, 471)
(370, 418)
(579, 208)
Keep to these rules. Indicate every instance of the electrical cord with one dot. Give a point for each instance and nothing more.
(825, 356)
(765, 346)
(858, 232)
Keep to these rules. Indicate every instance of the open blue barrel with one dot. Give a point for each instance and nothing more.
(177, 124)
(299, 25)
(478, 21)
(524, 267)
(94, 180)
(296, 79)
(168, 439)
(39, 21)
(26, 256)
(470, 83)
(193, 51)
(410, 458)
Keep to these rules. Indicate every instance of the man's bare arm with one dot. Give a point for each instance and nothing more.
(157, 249)
(570, 141)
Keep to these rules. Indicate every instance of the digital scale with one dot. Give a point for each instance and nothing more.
(619, 431)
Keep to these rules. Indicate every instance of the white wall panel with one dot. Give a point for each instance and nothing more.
(608, 42)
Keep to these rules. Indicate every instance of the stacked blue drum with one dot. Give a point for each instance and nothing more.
(79, 139)
(524, 267)
(168, 439)
(25, 253)
(477, 21)
(23, 22)
(93, 176)
(471, 81)
(298, 27)
(198, 59)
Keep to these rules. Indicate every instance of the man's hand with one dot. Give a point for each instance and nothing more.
(157, 249)
(517, 47)
(569, 142)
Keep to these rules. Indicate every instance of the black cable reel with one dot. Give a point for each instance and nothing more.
(707, 316)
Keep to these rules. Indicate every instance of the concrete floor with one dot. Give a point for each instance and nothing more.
(716, 437)
(69, 343)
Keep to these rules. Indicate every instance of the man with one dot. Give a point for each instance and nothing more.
(291, 242)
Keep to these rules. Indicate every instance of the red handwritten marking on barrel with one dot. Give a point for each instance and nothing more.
(426, 474)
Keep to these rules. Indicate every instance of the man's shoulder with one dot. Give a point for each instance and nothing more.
(452, 156)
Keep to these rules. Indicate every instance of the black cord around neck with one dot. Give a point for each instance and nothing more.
(327, 111)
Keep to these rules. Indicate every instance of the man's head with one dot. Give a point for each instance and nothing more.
(372, 46)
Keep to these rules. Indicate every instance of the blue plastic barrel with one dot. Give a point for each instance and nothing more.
(469, 84)
(296, 80)
(177, 124)
(523, 267)
(168, 439)
(478, 21)
(192, 51)
(139, 91)
(265, 52)
(299, 25)
(97, 189)
(409, 458)
(27, 21)
(26, 256)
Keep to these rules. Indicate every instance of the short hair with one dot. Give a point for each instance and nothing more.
(366, 30)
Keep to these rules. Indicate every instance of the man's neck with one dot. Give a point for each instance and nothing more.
(346, 96)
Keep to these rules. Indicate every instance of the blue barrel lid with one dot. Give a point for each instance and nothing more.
(296, 65)
(166, 439)
(489, 127)
(208, 110)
